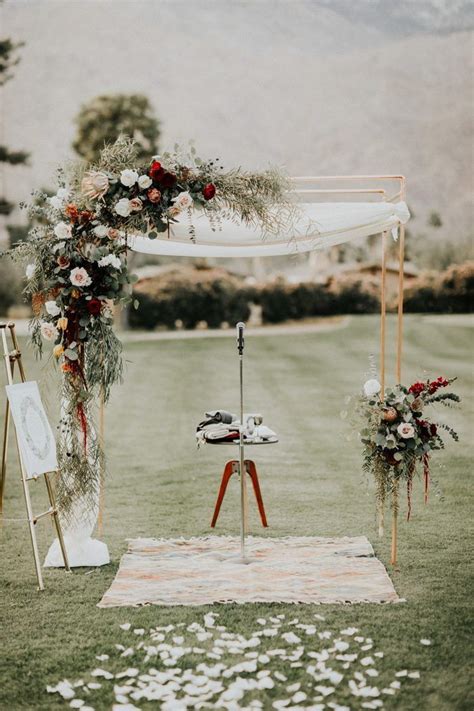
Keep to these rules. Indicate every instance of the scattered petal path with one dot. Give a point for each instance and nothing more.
(282, 664)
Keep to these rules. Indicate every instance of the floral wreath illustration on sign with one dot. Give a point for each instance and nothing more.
(29, 404)
(77, 268)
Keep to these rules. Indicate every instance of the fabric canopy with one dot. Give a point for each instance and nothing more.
(319, 226)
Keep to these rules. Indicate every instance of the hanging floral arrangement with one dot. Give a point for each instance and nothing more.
(399, 435)
(77, 269)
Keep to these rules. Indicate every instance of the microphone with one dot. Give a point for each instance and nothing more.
(240, 337)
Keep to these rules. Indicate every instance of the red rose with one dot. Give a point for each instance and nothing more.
(94, 307)
(154, 195)
(416, 388)
(156, 172)
(168, 180)
(63, 262)
(209, 191)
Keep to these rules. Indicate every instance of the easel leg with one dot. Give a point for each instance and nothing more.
(31, 524)
(57, 525)
(6, 428)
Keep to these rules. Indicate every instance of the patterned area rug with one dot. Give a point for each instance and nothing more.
(202, 571)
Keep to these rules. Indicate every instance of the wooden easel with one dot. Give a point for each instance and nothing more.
(12, 358)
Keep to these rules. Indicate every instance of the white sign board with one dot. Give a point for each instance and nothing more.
(35, 436)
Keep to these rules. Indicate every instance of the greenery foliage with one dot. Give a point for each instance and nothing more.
(102, 120)
(449, 292)
(77, 268)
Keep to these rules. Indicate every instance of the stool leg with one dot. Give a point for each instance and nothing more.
(227, 473)
(252, 471)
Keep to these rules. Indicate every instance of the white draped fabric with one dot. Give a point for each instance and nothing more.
(319, 226)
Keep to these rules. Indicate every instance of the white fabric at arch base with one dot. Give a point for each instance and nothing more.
(319, 226)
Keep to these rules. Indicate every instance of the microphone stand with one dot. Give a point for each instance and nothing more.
(243, 484)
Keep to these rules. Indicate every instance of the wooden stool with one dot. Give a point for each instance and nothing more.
(232, 467)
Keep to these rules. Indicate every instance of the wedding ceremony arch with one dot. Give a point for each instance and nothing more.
(180, 205)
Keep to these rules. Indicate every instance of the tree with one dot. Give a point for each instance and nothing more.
(103, 119)
(8, 59)
(435, 220)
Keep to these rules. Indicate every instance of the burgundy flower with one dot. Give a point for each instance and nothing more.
(63, 262)
(168, 180)
(209, 191)
(154, 195)
(94, 307)
(156, 172)
(437, 384)
(416, 388)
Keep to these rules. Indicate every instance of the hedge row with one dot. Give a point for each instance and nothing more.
(187, 296)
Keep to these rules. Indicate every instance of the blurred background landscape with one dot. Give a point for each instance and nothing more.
(316, 86)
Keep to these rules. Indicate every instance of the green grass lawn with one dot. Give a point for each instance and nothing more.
(160, 485)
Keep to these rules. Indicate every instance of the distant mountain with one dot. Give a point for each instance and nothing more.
(405, 17)
(319, 87)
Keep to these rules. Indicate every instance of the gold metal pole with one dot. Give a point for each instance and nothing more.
(383, 315)
(29, 509)
(394, 549)
(100, 517)
(401, 273)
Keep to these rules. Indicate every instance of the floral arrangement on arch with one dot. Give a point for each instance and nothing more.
(399, 436)
(77, 268)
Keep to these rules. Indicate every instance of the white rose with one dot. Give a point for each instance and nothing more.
(371, 387)
(63, 230)
(144, 181)
(101, 231)
(55, 202)
(123, 207)
(110, 260)
(406, 430)
(52, 308)
(128, 177)
(79, 277)
(183, 200)
(49, 331)
(30, 271)
(62, 194)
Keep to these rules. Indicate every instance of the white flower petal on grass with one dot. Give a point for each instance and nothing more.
(425, 642)
(281, 703)
(140, 631)
(325, 690)
(372, 672)
(378, 654)
(299, 697)
(340, 645)
(261, 621)
(349, 631)
(390, 692)
(291, 638)
(395, 685)
(325, 635)
(293, 687)
(404, 672)
(414, 675)
(102, 657)
(366, 661)
(270, 632)
(281, 677)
